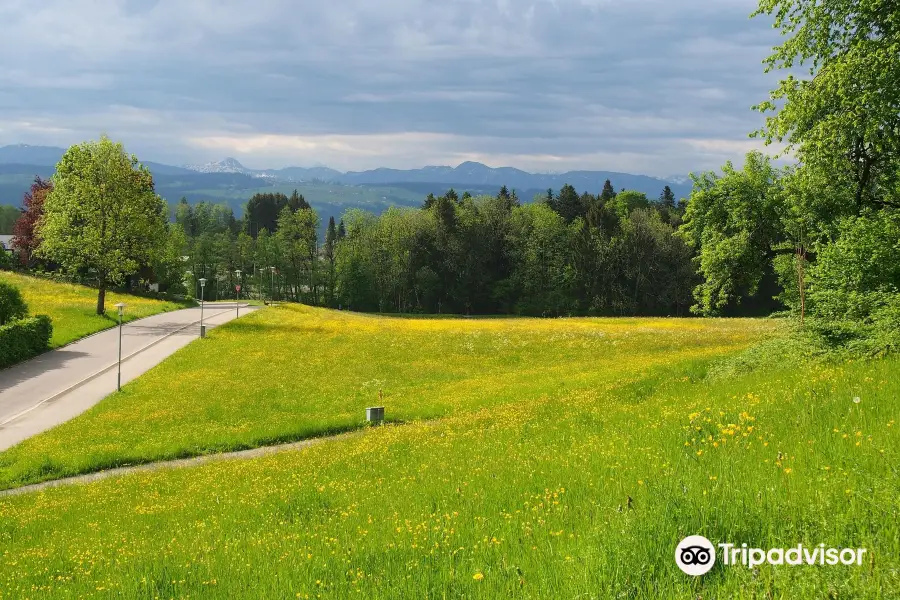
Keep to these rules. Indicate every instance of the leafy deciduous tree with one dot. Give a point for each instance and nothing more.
(24, 240)
(102, 215)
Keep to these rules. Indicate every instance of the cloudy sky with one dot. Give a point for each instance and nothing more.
(658, 87)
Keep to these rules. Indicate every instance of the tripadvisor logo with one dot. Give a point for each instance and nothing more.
(696, 555)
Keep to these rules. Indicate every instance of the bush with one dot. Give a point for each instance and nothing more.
(859, 273)
(854, 291)
(24, 338)
(7, 260)
(12, 306)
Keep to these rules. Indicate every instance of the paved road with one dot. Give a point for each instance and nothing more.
(51, 389)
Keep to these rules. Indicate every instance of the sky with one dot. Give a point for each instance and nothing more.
(657, 87)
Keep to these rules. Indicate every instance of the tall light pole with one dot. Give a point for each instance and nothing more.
(202, 288)
(237, 294)
(121, 307)
(259, 280)
(272, 287)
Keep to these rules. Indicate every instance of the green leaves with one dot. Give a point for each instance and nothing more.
(844, 119)
(12, 306)
(734, 222)
(103, 214)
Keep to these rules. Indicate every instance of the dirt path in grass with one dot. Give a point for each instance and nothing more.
(172, 464)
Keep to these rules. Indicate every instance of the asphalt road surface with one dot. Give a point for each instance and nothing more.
(56, 386)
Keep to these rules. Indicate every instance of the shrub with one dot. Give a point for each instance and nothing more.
(7, 262)
(11, 304)
(24, 338)
(854, 291)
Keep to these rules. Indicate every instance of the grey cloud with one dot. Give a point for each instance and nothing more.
(636, 82)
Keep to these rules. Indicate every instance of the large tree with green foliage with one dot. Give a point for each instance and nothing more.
(296, 235)
(843, 120)
(103, 216)
(733, 221)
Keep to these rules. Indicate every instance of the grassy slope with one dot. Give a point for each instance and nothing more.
(575, 492)
(292, 372)
(73, 307)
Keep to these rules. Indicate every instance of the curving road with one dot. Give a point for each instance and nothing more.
(58, 385)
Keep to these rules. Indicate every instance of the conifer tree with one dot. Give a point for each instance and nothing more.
(568, 204)
(608, 192)
(667, 197)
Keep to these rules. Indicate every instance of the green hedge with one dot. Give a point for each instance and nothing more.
(12, 307)
(24, 338)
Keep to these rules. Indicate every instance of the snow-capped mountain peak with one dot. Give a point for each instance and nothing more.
(226, 165)
(678, 179)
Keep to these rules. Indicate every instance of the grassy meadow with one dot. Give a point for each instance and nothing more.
(293, 372)
(73, 307)
(571, 457)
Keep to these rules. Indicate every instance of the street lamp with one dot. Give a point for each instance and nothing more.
(202, 287)
(272, 288)
(237, 293)
(260, 282)
(121, 307)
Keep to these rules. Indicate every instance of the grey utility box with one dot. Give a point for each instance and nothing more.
(203, 331)
(375, 414)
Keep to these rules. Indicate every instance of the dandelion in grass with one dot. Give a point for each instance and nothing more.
(856, 400)
(478, 576)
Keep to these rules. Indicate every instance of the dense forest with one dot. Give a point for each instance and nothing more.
(566, 253)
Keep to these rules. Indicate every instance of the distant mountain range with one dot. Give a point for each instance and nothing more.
(467, 175)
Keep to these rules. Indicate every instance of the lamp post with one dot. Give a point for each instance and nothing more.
(272, 288)
(259, 281)
(202, 288)
(237, 294)
(121, 307)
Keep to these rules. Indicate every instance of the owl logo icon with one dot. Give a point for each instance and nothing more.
(695, 555)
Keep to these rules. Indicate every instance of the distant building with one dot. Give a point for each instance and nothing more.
(6, 243)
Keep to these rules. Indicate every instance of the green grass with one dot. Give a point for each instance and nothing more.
(73, 307)
(293, 372)
(581, 452)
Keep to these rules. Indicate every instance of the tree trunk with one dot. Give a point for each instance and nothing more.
(101, 298)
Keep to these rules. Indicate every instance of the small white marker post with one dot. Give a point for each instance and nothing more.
(375, 415)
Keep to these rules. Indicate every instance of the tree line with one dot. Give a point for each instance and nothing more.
(822, 235)
(565, 253)
(562, 254)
